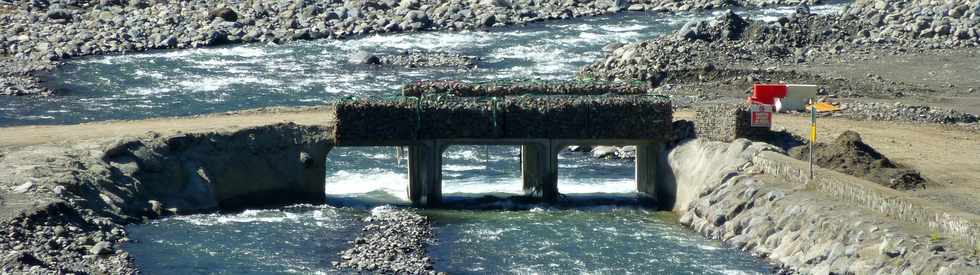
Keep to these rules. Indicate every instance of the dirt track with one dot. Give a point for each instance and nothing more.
(948, 156)
(12, 137)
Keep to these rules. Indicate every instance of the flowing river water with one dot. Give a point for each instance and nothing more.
(601, 230)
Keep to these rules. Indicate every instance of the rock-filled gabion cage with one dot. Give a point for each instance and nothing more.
(525, 117)
(523, 87)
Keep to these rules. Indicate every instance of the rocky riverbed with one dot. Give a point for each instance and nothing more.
(720, 59)
(40, 32)
(416, 59)
(394, 241)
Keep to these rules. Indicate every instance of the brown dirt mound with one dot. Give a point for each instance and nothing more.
(850, 155)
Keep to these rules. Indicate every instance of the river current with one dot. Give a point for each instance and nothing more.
(600, 229)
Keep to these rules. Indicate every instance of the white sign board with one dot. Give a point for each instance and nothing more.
(761, 115)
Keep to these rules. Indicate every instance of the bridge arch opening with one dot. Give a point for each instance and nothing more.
(366, 175)
(585, 170)
(481, 170)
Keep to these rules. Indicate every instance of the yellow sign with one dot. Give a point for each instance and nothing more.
(813, 133)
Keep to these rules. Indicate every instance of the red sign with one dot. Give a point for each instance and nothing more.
(761, 115)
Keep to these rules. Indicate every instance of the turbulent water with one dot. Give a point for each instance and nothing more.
(186, 82)
(601, 229)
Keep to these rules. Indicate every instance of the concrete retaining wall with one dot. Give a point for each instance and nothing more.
(889, 202)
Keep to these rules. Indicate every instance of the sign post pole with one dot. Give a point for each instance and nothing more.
(813, 132)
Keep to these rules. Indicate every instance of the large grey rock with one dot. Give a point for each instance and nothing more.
(226, 14)
(364, 58)
(101, 248)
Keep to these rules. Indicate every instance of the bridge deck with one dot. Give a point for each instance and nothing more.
(622, 119)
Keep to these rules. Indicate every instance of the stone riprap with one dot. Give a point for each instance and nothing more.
(727, 122)
(65, 205)
(540, 117)
(394, 241)
(885, 201)
(517, 88)
(37, 32)
(744, 200)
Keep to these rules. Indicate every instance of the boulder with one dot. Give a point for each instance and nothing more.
(59, 14)
(223, 13)
(488, 21)
(364, 58)
(101, 248)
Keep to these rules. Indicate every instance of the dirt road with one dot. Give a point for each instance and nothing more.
(12, 137)
(946, 155)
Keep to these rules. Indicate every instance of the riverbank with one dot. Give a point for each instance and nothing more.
(863, 56)
(41, 34)
(749, 198)
(49, 183)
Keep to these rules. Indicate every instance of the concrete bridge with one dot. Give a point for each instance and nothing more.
(542, 126)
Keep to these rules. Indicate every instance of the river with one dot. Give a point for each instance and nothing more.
(599, 229)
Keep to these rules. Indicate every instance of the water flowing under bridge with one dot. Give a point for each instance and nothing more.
(541, 125)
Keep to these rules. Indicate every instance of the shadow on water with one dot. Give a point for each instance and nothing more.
(504, 201)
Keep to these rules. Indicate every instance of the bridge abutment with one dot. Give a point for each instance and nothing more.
(649, 162)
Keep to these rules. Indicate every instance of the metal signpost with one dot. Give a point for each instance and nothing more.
(813, 132)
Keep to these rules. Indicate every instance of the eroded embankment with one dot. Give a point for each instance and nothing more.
(751, 201)
(67, 204)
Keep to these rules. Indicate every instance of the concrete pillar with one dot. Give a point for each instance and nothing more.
(649, 158)
(539, 170)
(425, 174)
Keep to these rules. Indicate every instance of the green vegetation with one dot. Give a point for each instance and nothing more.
(935, 237)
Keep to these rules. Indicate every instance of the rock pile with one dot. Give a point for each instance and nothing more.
(417, 59)
(917, 22)
(394, 241)
(848, 154)
(60, 240)
(904, 112)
